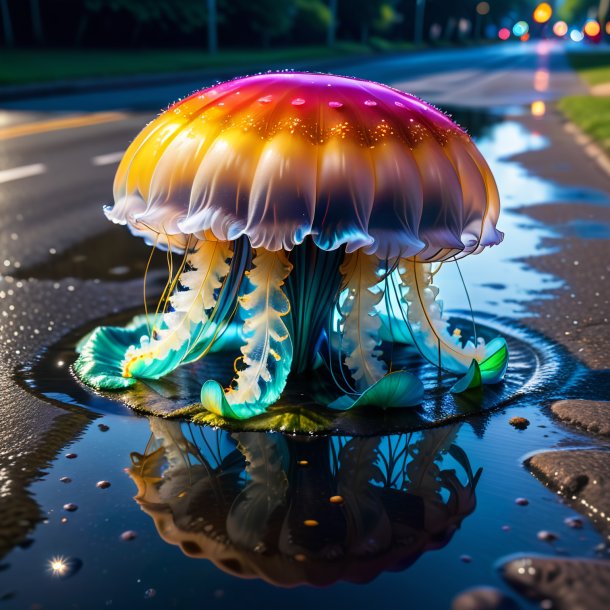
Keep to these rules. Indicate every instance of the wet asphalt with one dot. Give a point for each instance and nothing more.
(62, 265)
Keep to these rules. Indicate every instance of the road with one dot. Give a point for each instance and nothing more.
(62, 265)
(58, 154)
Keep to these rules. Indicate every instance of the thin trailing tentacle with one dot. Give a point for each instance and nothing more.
(267, 353)
(185, 330)
(113, 358)
(429, 328)
(360, 322)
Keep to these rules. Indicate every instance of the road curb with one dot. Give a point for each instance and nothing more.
(590, 146)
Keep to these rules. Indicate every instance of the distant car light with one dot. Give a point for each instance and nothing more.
(592, 28)
(560, 29)
(520, 28)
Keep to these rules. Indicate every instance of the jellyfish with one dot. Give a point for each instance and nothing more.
(309, 214)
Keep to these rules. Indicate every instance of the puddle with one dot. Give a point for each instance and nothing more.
(222, 518)
(535, 366)
(209, 530)
(114, 255)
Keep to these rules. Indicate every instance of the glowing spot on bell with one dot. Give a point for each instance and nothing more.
(267, 99)
(298, 101)
(399, 104)
(370, 103)
(538, 108)
(335, 104)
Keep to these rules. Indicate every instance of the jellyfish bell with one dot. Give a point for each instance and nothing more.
(302, 203)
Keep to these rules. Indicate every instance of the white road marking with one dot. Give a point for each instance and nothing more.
(108, 159)
(25, 171)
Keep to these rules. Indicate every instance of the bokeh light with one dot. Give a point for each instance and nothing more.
(525, 37)
(520, 28)
(592, 28)
(538, 108)
(483, 8)
(543, 12)
(560, 29)
(504, 34)
(608, 28)
(576, 35)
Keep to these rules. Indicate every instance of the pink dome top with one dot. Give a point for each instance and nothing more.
(281, 156)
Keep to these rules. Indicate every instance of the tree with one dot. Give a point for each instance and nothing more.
(212, 18)
(184, 16)
(313, 22)
(267, 19)
(332, 23)
(576, 10)
(7, 24)
(358, 17)
(36, 21)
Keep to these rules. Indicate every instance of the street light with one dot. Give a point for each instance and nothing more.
(560, 29)
(592, 28)
(543, 12)
(482, 10)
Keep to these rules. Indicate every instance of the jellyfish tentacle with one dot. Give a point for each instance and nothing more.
(267, 352)
(361, 324)
(429, 328)
(186, 330)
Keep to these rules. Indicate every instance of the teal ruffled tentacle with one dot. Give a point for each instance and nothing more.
(201, 308)
(267, 353)
(101, 354)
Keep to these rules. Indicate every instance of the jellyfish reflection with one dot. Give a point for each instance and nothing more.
(301, 510)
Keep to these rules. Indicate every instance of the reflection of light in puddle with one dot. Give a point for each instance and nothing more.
(523, 235)
(538, 108)
(58, 566)
(541, 80)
